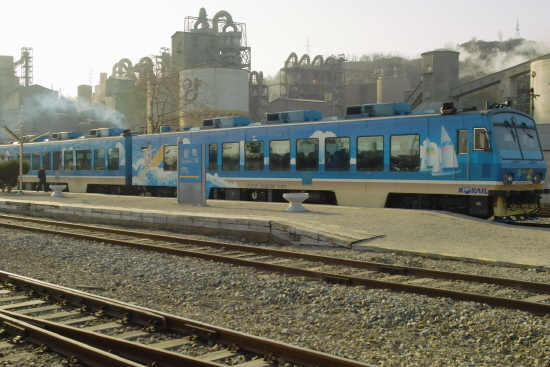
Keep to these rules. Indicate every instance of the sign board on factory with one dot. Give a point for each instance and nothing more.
(191, 174)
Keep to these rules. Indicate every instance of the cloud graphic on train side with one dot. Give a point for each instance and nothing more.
(121, 153)
(140, 162)
(321, 136)
(215, 180)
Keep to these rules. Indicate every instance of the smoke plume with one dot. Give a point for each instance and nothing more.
(480, 58)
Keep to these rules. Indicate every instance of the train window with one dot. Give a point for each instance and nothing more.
(170, 158)
(529, 143)
(213, 157)
(481, 139)
(57, 161)
(35, 161)
(307, 154)
(370, 153)
(336, 154)
(279, 155)
(405, 153)
(68, 160)
(99, 159)
(27, 157)
(253, 155)
(112, 159)
(83, 160)
(46, 160)
(462, 137)
(231, 157)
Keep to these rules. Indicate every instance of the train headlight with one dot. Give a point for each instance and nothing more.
(508, 178)
(537, 178)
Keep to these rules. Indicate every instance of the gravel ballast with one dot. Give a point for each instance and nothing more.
(369, 325)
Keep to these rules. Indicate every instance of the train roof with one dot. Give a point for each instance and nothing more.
(370, 112)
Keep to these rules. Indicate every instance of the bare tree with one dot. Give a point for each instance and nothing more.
(163, 96)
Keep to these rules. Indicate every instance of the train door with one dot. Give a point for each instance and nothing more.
(232, 162)
(304, 148)
(445, 149)
(462, 146)
(371, 149)
(255, 152)
(279, 148)
(444, 161)
(336, 147)
(213, 140)
(405, 154)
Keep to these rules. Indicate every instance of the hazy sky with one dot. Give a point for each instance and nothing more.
(73, 40)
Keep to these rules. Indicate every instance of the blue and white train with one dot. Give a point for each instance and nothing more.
(481, 163)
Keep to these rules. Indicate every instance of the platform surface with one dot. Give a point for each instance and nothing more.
(420, 232)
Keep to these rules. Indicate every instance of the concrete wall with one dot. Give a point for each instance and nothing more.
(391, 89)
(200, 47)
(255, 230)
(358, 94)
(213, 92)
(541, 86)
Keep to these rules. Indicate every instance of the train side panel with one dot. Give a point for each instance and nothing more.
(81, 164)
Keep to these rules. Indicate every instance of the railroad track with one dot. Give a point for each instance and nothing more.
(532, 297)
(530, 224)
(544, 212)
(94, 331)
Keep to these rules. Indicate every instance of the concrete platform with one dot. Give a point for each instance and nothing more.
(409, 232)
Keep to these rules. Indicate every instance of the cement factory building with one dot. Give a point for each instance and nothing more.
(207, 73)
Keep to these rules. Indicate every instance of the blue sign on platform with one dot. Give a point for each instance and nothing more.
(191, 174)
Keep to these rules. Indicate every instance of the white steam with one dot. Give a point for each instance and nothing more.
(477, 63)
(101, 114)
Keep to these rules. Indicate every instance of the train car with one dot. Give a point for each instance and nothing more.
(154, 164)
(94, 164)
(481, 163)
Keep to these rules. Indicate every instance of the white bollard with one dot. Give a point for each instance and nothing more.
(57, 190)
(295, 199)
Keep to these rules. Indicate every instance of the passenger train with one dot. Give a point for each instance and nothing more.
(485, 163)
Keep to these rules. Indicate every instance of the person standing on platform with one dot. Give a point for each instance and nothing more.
(42, 179)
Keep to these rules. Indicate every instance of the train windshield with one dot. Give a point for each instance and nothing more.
(518, 142)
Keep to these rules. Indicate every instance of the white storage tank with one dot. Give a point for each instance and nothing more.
(213, 92)
(540, 82)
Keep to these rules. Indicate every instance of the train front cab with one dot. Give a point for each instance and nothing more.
(520, 168)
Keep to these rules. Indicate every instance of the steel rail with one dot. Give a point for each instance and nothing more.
(246, 342)
(86, 302)
(379, 267)
(144, 354)
(528, 224)
(61, 345)
(126, 350)
(536, 308)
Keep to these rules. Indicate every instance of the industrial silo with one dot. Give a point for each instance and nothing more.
(215, 64)
(540, 82)
(390, 86)
(213, 92)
